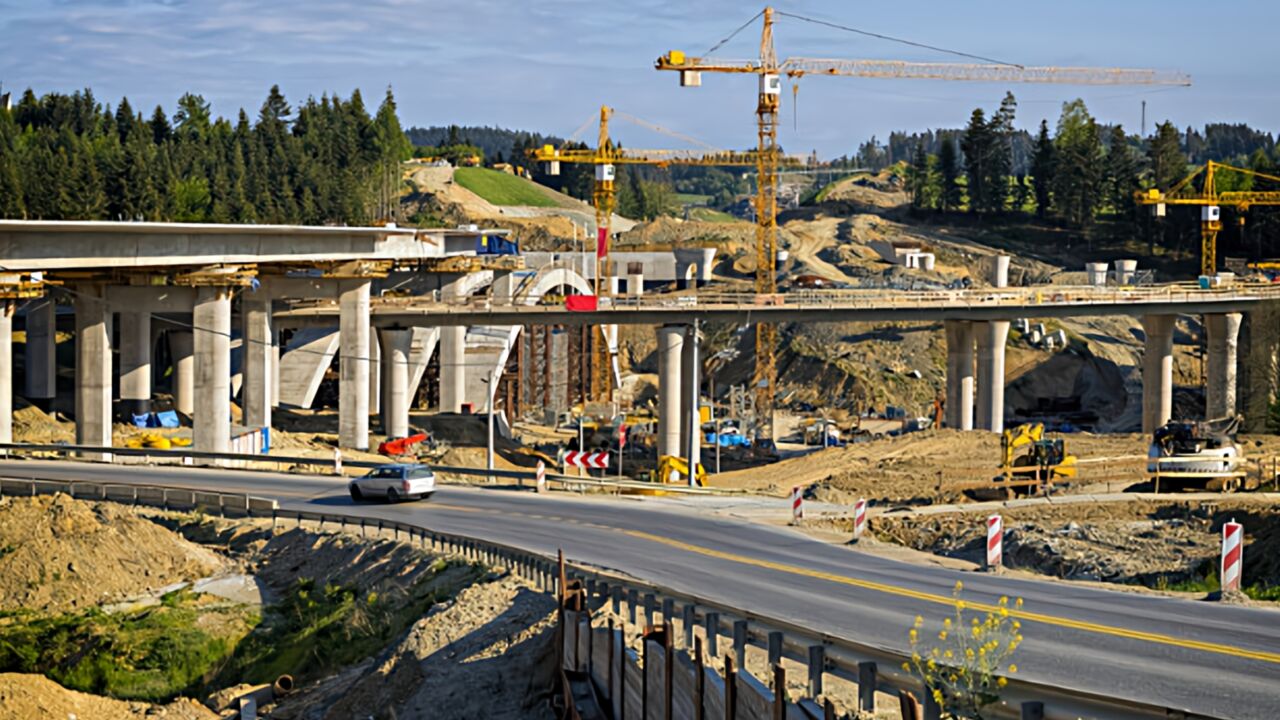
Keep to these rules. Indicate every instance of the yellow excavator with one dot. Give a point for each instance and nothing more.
(1044, 460)
(671, 463)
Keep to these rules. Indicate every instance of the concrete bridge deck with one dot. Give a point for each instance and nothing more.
(810, 306)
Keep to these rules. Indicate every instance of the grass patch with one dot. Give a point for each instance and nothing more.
(706, 214)
(692, 199)
(501, 188)
(316, 629)
(153, 654)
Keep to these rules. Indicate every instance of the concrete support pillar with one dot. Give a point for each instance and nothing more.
(93, 367)
(1220, 391)
(992, 337)
(135, 362)
(274, 374)
(7, 308)
(375, 374)
(453, 376)
(396, 346)
(670, 389)
(182, 348)
(690, 382)
(353, 366)
(211, 318)
(959, 396)
(41, 352)
(1157, 372)
(999, 270)
(257, 353)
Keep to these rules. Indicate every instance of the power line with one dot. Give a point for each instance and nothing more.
(733, 34)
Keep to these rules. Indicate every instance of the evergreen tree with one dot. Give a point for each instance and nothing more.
(1043, 167)
(1120, 173)
(918, 177)
(951, 195)
(1078, 180)
(160, 129)
(977, 144)
(11, 205)
(1168, 162)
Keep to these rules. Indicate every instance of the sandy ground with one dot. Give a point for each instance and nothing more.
(23, 697)
(62, 554)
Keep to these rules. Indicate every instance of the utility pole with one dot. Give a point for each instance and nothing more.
(695, 422)
(1144, 118)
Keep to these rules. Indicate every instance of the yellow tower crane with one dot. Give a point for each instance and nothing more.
(1210, 201)
(770, 71)
(605, 156)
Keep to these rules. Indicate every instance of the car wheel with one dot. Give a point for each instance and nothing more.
(356, 494)
(427, 496)
(392, 495)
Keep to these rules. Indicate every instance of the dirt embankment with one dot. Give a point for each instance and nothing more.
(23, 697)
(59, 554)
(908, 469)
(1162, 545)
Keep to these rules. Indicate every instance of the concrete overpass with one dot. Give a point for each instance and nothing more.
(972, 318)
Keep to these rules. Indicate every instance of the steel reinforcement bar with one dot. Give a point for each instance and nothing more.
(864, 664)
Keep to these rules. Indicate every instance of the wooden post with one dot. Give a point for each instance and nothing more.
(668, 665)
(730, 689)
(779, 693)
(699, 682)
(909, 706)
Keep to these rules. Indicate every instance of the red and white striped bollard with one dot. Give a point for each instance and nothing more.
(797, 505)
(540, 483)
(859, 518)
(995, 542)
(1232, 555)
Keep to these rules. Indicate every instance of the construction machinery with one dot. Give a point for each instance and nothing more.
(769, 72)
(1210, 201)
(675, 469)
(605, 156)
(1197, 455)
(1040, 459)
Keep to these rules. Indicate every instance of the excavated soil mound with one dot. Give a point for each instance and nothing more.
(59, 554)
(1143, 543)
(23, 697)
(486, 653)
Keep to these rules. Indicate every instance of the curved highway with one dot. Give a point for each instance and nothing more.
(1207, 658)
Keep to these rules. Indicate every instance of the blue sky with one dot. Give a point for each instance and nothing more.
(548, 64)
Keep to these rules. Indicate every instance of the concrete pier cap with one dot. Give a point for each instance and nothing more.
(1096, 273)
(697, 260)
(1125, 270)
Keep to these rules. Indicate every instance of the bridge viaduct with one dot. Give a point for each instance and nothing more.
(165, 273)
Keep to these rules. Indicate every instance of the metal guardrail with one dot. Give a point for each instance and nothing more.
(188, 457)
(836, 656)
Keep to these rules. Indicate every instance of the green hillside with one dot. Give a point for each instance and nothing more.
(502, 188)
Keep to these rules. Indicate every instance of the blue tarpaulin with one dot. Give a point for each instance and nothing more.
(167, 419)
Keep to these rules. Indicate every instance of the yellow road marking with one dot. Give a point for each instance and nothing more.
(949, 601)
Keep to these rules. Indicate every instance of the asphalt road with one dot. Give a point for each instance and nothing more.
(1207, 658)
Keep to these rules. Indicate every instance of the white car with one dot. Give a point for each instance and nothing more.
(395, 482)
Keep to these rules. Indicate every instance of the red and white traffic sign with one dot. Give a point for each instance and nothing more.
(1232, 555)
(590, 460)
(797, 504)
(859, 518)
(995, 542)
(541, 477)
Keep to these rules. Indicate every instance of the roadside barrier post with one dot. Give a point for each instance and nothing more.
(713, 633)
(687, 623)
(740, 642)
(859, 518)
(797, 505)
(337, 461)
(817, 666)
(867, 686)
(541, 481)
(775, 647)
(995, 543)
(1232, 555)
